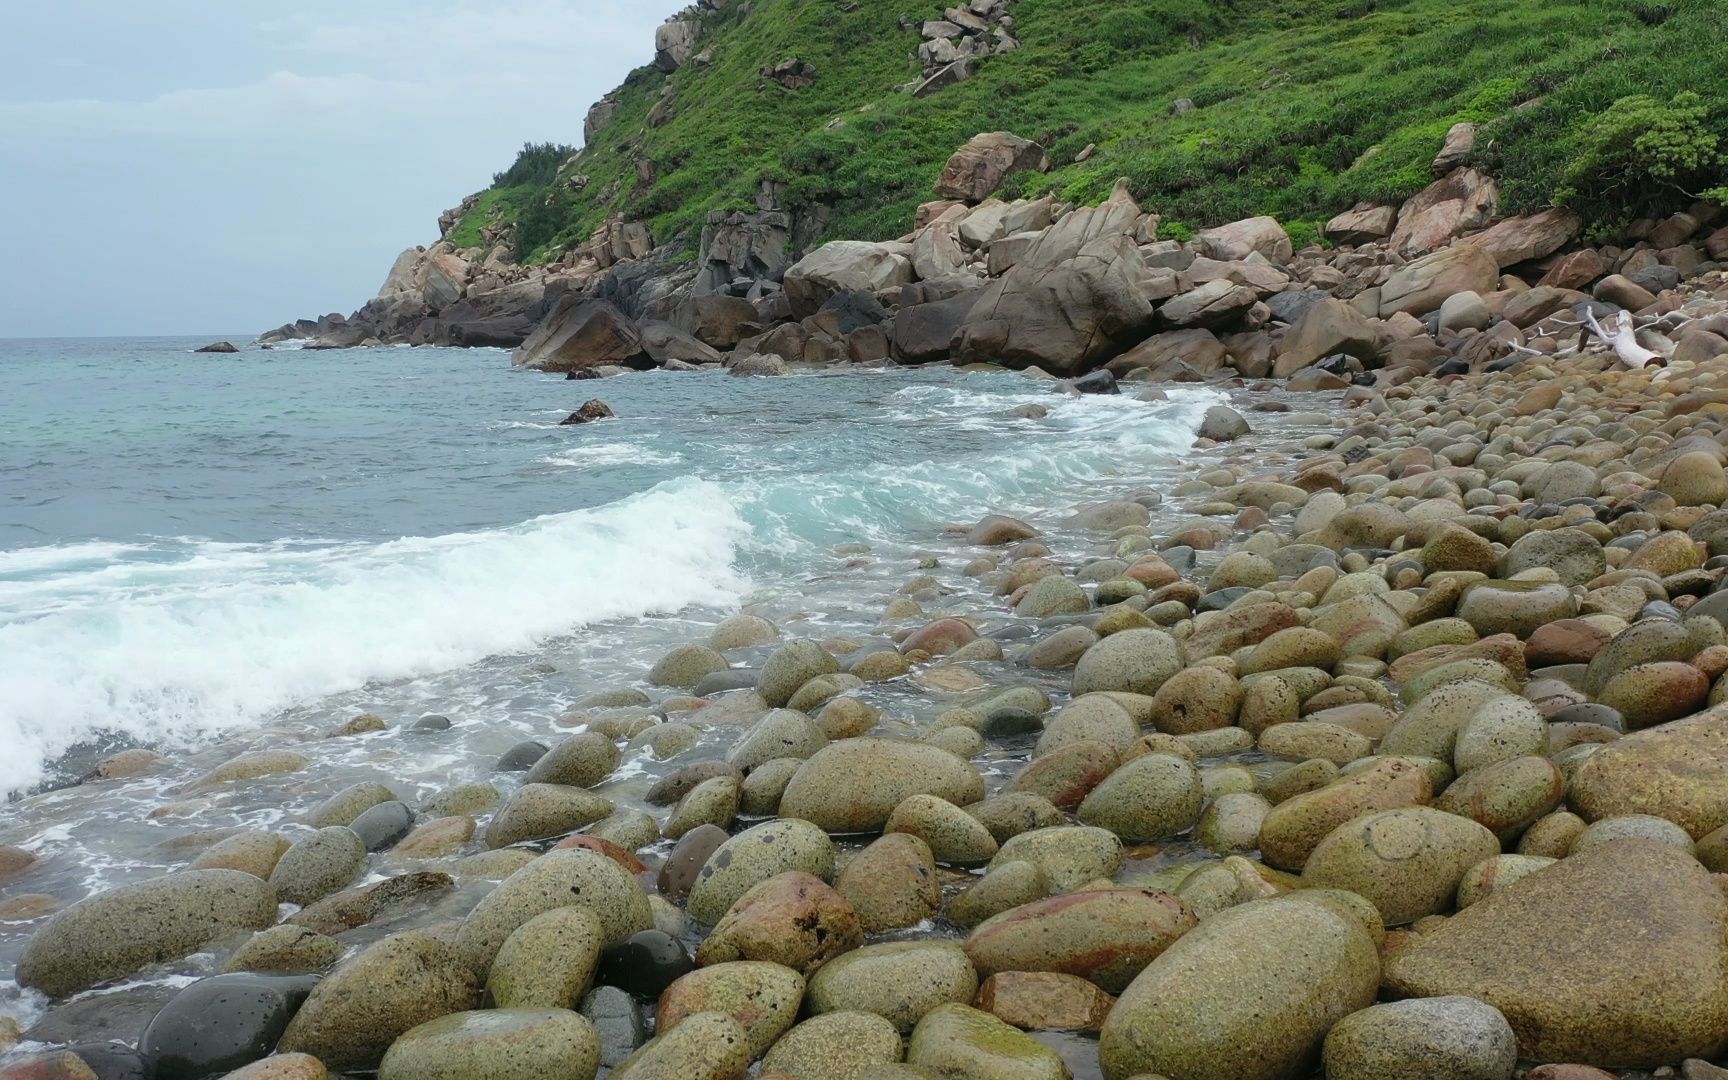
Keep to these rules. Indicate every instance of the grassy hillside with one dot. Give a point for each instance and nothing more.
(1303, 107)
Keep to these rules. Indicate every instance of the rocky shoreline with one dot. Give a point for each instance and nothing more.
(1390, 743)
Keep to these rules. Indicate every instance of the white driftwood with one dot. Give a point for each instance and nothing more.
(1624, 341)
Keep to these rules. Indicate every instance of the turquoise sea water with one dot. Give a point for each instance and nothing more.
(196, 547)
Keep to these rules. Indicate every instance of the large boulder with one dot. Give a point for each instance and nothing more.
(580, 333)
(1076, 297)
(924, 333)
(1251, 991)
(845, 266)
(1615, 956)
(119, 931)
(1218, 303)
(664, 342)
(1363, 223)
(1240, 239)
(1678, 771)
(675, 42)
(1422, 286)
(353, 1016)
(1325, 329)
(1463, 200)
(852, 786)
(1521, 239)
(977, 169)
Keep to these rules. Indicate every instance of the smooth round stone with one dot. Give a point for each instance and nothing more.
(1499, 730)
(496, 1044)
(254, 852)
(794, 919)
(349, 803)
(754, 856)
(542, 812)
(1149, 798)
(954, 836)
(960, 1041)
(561, 878)
(900, 981)
(678, 872)
(742, 631)
(763, 997)
(430, 724)
(1506, 797)
(1001, 889)
(853, 785)
(1012, 813)
(1004, 725)
(1443, 1038)
(1251, 991)
(1197, 699)
(706, 1046)
(1231, 823)
(834, 1046)
(1137, 661)
(463, 800)
(712, 802)
(674, 786)
(618, 1021)
(1406, 862)
(381, 826)
(892, 883)
(1589, 713)
(318, 865)
(394, 985)
(285, 948)
(1633, 826)
(1105, 935)
(1068, 856)
(722, 681)
(221, 1023)
(521, 757)
(1492, 875)
(645, 963)
(685, 666)
(548, 961)
(793, 665)
(581, 760)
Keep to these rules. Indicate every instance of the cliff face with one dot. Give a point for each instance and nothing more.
(761, 128)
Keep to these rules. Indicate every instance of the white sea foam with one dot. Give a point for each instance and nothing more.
(226, 635)
(582, 457)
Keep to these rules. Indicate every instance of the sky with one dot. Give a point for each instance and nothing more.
(196, 166)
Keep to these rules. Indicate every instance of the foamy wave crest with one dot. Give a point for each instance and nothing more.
(227, 635)
(582, 457)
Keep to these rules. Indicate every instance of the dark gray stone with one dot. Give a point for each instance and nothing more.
(219, 1024)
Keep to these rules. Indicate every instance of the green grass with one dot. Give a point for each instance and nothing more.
(1304, 107)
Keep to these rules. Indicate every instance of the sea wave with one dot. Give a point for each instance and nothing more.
(223, 636)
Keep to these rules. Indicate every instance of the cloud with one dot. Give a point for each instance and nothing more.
(474, 35)
(280, 100)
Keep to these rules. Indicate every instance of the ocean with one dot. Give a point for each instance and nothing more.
(198, 547)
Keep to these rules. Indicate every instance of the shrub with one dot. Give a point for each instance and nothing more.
(1638, 151)
(536, 165)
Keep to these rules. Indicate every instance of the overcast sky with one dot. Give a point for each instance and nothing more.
(195, 166)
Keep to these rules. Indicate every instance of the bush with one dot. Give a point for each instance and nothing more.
(1639, 151)
(536, 165)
